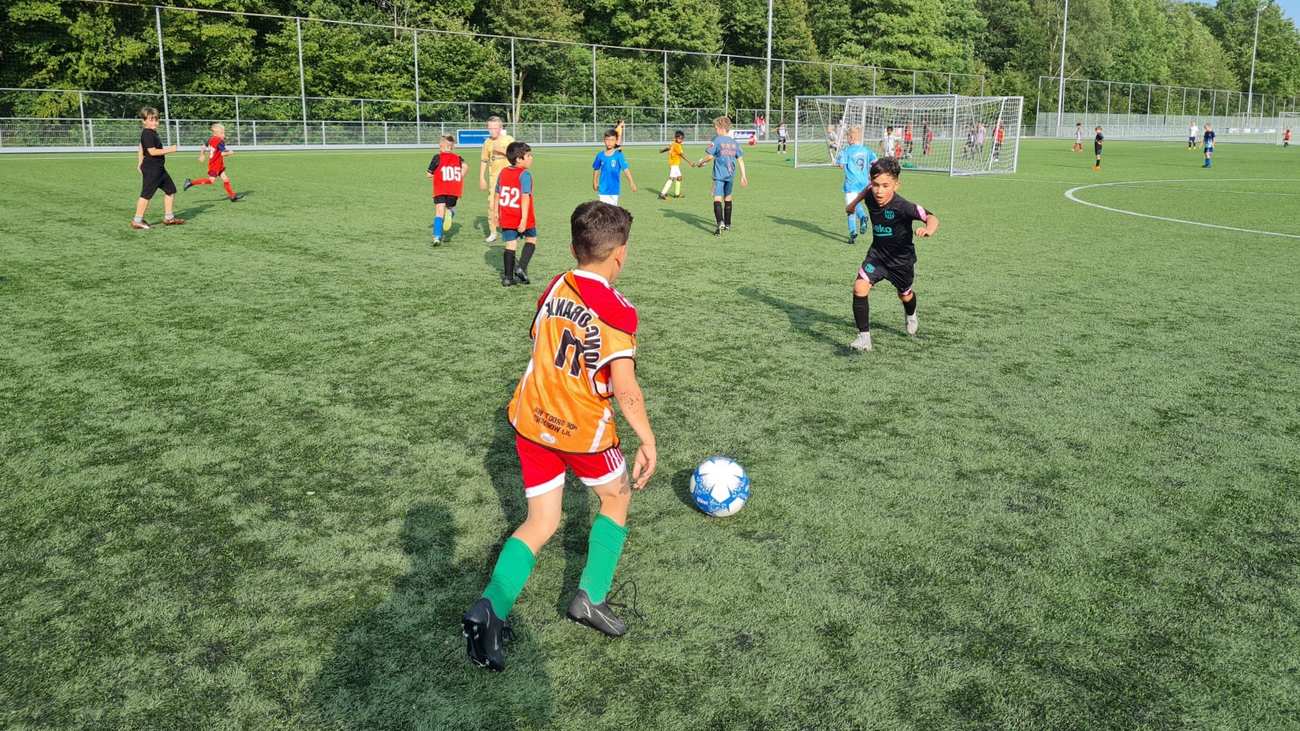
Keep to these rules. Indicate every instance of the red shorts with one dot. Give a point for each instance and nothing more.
(543, 468)
(215, 172)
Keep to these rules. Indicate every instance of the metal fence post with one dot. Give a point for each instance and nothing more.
(665, 130)
(726, 94)
(873, 84)
(162, 70)
(830, 79)
(415, 54)
(782, 91)
(90, 124)
(913, 83)
(594, 118)
(363, 121)
(81, 104)
(302, 82)
(237, 119)
(514, 97)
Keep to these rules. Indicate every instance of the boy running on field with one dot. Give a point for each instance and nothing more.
(584, 346)
(447, 170)
(606, 168)
(516, 212)
(149, 160)
(215, 152)
(892, 254)
(726, 155)
(675, 155)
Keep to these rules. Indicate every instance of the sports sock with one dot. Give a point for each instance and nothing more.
(667, 185)
(230, 191)
(677, 188)
(201, 181)
(509, 262)
(853, 225)
(862, 313)
(168, 216)
(527, 254)
(437, 227)
(909, 307)
(603, 550)
(717, 212)
(511, 572)
(138, 219)
(726, 213)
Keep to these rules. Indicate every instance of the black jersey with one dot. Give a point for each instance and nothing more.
(149, 139)
(1096, 143)
(891, 230)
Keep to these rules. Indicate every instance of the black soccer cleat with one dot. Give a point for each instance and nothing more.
(663, 197)
(853, 239)
(236, 197)
(597, 616)
(507, 280)
(521, 276)
(188, 184)
(485, 636)
(717, 231)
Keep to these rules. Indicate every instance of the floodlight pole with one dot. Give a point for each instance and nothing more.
(162, 70)
(767, 93)
(1250, 98)
(1060, 89)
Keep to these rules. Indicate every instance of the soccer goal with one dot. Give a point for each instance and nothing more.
(958, 135)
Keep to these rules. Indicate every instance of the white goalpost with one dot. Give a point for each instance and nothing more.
(959, 135)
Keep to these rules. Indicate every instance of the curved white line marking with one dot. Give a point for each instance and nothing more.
(1071, 195)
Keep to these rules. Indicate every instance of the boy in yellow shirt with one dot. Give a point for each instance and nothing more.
(675, 155)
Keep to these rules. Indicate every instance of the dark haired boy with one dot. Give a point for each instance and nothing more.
(584, 350)
(1097, 140)
(675, 155)
(892, 254)
(607, 167)
(516, 212)
(150, 161)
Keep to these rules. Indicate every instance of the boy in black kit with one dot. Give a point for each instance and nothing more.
(150, 163)
(892, 254)
(1096, 148)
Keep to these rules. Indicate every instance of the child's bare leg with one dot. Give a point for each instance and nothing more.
(543, 520)
(168, 201)
(141, 206)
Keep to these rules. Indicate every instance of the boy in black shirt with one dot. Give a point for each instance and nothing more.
(892, 254)
(1096, 148)
(150, 163)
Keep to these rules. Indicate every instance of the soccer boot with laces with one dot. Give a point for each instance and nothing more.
(862, 342)
(173, 221)
(597, 616)
(236, 198)
(485, 636)
(140, 226)
(507, 280)
(188, 184)
(521, 276)
(911, 324)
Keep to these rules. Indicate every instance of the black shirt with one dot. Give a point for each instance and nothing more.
(149, 139)
(891, 230)
(1097, 141)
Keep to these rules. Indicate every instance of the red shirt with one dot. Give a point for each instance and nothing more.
(512, 185)
(448, 177)
(907, 135)
(999, 134)
(216, 146)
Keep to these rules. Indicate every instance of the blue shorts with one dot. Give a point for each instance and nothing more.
(723, 187)
(511, 234)
(1209, 148)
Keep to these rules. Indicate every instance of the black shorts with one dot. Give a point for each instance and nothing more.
(1096, 149)
(873, 270)
(155, 178)
(446, 200)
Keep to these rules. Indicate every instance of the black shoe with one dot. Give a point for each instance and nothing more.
(236, 197)
(663, 197)
(718, 230)
(188, 184)
(597, 616)
(485, 636)
(521, 276)
(507, 280)
(853, 239)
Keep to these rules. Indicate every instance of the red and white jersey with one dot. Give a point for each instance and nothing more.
(512, 185)
(581, 326)
(447, 169)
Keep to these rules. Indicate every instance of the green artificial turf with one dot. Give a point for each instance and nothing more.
(254, 468)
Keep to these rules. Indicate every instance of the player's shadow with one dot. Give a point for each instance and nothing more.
(805, 319)
(681, 483)
(693, 219)
(807, 227)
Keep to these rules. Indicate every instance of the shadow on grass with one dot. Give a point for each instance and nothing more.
(693, 219)
(807, 227)
(681, 483)
(805, 319)
(401, 664)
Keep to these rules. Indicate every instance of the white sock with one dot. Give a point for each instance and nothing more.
(667, 185)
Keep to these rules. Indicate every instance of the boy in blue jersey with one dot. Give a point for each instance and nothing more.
(608, 166)
(726, 155)
(1207, 142)
(856, 161)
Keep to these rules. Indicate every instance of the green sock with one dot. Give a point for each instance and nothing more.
(677, 187)
(514, 565)
(603, 549)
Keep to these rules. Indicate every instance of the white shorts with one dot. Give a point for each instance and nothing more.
(848, 198)
(610, 199)
(675, 171)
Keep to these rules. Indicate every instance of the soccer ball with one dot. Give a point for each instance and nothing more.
(720, 486)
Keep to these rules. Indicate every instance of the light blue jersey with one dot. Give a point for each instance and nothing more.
(725, 151)
(610, 166)
(856, 161)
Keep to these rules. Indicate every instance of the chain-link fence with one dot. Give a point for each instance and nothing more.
(286, 81)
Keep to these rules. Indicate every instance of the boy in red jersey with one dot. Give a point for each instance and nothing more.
(214, 151)
(516, 212)
(999, 135)
(447, 170)
(907, 140)
(584, 350)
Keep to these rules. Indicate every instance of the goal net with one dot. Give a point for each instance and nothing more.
(959, 135)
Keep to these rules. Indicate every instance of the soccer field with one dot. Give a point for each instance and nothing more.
(254, 468)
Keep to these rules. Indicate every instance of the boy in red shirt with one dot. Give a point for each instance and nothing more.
(447, 170)
(214, 151)
(516, 212)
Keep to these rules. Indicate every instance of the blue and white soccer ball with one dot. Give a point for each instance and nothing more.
(720, 486)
